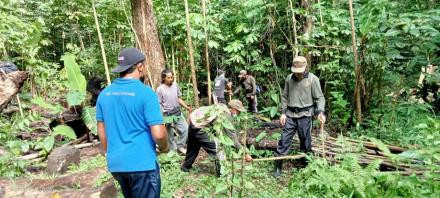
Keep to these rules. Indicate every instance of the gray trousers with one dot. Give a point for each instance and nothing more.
(304, 127)
(180, 127)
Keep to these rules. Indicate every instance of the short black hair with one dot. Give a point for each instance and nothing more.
(165, 72)
(129, 70)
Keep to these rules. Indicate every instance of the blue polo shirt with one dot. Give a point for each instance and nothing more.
(128, 108)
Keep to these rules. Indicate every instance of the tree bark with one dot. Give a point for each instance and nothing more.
(10, 85)
(191, 56)
(357, 90)
(146, 32)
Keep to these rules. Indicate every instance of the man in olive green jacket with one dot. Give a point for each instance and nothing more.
(302, 98)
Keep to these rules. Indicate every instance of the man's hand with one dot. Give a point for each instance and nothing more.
(189, 109)
(252, 97)
(248, 158)
(321, 117)
(283, 119)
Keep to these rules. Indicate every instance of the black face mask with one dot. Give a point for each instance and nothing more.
(295, 78)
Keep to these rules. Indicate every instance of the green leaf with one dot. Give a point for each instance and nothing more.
(65, 131)
(228, 125)
(55, 109)
(89, 117)
(48, 143)
(76, 81)
(220, 188)
(75, 97)
(249, 185)
(273, 111)
(260, 136)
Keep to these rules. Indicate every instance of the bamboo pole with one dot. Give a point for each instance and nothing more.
(101, 43)
(299, 156)
(191, 56)
(357, 67)
(206, 51)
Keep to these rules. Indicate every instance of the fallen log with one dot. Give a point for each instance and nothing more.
(10, 85)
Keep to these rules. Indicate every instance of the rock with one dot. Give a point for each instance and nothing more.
(10, 84)
(61, 158)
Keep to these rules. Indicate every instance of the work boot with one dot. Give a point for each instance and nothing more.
(278, 167)
(217, 168)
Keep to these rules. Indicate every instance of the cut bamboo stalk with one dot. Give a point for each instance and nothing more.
(299, 156)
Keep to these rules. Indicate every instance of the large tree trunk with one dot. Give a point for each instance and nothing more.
(146, 32)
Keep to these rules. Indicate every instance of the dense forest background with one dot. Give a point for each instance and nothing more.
(395, 40)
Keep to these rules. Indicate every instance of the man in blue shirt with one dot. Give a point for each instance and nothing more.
(130, 124)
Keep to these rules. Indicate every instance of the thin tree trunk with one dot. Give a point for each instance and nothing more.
(101, 43)
(357, 67)
(191, 56)
(294, 29)
(145, 27)
(208, 70)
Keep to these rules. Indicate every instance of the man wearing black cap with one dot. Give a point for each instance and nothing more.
(130, 124)
(301, 99)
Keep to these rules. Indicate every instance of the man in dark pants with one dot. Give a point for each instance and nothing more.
(130, 124)
(302, 98)
(197, 138)
(220, 83)
(247, 82)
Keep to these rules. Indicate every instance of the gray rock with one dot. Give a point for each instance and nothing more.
(61, 158)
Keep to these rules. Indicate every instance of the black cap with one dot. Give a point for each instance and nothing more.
(127, 58)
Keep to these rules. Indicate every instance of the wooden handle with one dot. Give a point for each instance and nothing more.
(280, 158)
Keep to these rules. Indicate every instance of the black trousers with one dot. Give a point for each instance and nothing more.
(196, 140)
(222, 100)
(252, 104)
(304, 127)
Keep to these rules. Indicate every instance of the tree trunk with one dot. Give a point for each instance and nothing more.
(191, 56)
(206, 52)
(10, 85)
(357, 90)
(145, 26)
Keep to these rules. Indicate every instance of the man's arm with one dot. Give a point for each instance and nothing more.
(238, 89)
(183, 104)
(318, 98)
(102, 136)
(285, 96)
(254, 86)
(160, 136)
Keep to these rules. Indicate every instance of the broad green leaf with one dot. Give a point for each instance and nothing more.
(228, 125)
(260, 136)
(75, 98)
(65, 131)
(76, 81)
(55, 109)
(89, 117)
(48, 143)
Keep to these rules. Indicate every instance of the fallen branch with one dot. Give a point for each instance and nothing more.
(299, 156)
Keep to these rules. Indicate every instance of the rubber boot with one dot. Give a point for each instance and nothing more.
(277, 168)
(217, 168)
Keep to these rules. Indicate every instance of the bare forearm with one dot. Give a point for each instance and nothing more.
(160, 136)
(183, 104)
(102, 136)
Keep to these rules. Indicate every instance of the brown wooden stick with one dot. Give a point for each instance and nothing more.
(280, 158)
